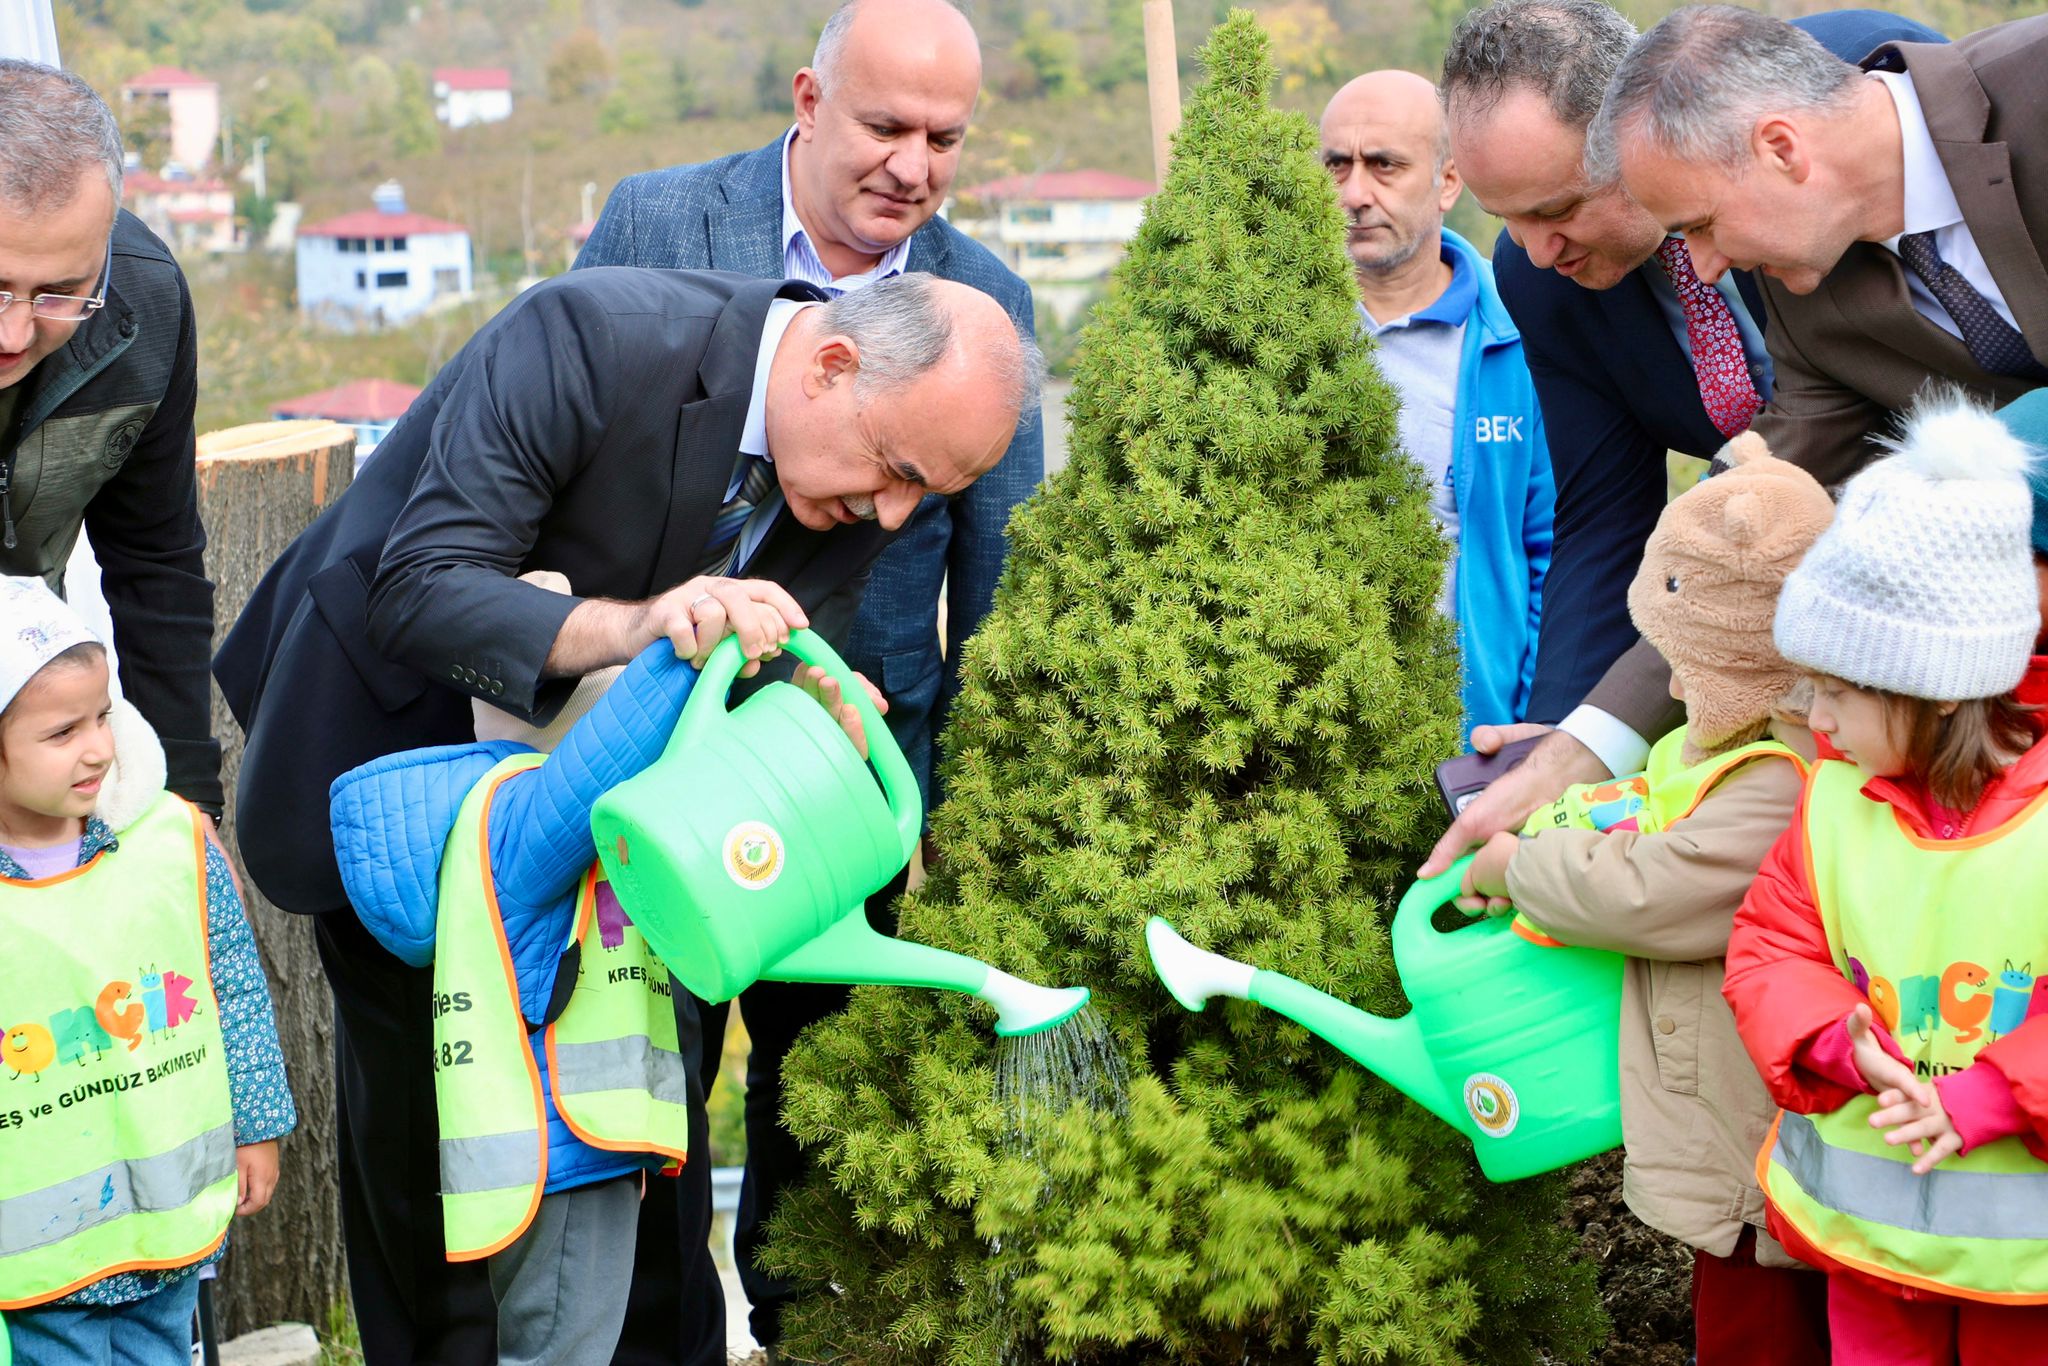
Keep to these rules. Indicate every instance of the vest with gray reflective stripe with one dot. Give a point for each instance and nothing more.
(117, 1144)
(1933, 934)
(616, 1071)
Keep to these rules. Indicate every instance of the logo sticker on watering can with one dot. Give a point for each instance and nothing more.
(1492, 1104)
(753, 855)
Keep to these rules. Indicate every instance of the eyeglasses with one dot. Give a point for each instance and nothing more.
(65, 308)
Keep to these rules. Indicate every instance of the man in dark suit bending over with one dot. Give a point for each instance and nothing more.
(700, 454)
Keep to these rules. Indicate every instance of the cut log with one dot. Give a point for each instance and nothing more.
(259, 487)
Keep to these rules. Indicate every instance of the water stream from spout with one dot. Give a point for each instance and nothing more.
(1039, 1077)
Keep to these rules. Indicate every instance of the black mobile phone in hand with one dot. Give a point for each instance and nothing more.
(1465, 777)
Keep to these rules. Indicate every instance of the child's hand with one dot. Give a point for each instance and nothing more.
(256, 1176)
(1879, 1068)
(1926, 1126)
(1485, 887)
(825, 688)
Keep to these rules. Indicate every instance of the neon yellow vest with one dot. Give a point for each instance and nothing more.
(117, 1140)
(1935, 935)
(1659, 797)
(614, 1066)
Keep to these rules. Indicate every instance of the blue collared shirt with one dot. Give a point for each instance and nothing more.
(1421, 356)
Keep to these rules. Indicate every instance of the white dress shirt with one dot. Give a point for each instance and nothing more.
(1931, 207)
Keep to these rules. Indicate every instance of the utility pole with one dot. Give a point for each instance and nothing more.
(1162, 82)
(260, 183)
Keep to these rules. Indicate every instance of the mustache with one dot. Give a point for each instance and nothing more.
(860, 505)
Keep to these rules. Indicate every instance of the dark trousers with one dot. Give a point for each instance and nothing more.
(1749, 1315)
(412, 1304)
(775, 1013)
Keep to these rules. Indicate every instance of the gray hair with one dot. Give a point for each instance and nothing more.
(1697, 83)
(831, 42)
(52, 126)
(1563, 49)
(904, 331)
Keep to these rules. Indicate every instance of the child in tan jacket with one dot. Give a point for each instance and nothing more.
(1654, 866)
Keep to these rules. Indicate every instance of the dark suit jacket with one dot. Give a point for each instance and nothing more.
(590, 428)
(727, 215)
(1617, 393)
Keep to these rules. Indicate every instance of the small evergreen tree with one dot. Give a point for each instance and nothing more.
(1213, 687)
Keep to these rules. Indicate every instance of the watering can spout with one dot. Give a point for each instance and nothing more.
(852, 952)
(1393, 1049)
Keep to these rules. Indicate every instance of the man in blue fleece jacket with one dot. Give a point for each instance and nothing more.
(561, 1274)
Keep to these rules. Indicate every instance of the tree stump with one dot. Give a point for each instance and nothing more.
(259, 487)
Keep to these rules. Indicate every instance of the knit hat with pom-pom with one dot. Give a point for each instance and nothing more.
(1925, 583)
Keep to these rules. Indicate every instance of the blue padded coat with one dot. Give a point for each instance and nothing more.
(391, 820)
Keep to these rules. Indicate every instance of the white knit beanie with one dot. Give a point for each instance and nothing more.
(1925, 584)
(35, 627)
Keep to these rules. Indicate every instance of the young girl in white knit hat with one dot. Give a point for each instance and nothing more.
(1882, 968)
(144, 1089)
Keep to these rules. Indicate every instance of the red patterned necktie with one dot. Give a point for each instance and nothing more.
(1718, 360)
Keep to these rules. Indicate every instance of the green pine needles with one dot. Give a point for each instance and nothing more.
(1214, 688)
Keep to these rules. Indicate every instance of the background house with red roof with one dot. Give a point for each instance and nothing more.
(371, 406)
(189, 106)
(464, 95)
(381, 266)
(191, 214)
(1063, 231)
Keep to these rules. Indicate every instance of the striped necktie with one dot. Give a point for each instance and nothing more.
(1994, 343)
(722, 545)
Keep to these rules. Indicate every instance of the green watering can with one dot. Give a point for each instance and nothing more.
(1513, 1040)
(746, 852)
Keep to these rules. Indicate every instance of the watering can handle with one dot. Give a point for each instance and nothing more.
(1414, 937)
(707, 706)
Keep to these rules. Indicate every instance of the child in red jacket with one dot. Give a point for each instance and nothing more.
(1882, 968)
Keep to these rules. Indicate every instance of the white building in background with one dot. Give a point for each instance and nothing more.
(191, 215)
(464, 95)
(191, 107)
(380, 266)
(1063, 231)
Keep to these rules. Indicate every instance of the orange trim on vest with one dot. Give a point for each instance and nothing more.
(540, 1111)
(1885, 1275)
(161, 1264)
(206, 956)
(1735, 762)
(1976, 841)
(1521, 925)
(586, 911)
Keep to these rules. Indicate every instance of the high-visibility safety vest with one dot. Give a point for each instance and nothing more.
(1654, 800)
(1647, 803)
(614, 1066)
(117, 1140)
(1943, 937)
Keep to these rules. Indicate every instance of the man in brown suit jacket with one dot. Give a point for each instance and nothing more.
(1898, 214)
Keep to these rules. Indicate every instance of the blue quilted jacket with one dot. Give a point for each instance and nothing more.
(391, 819)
